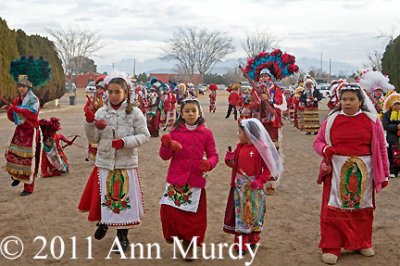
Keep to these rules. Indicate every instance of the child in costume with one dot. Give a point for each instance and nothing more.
(93, 104)
(24, 151)
(113, 195)
(183, 209)
(54, 161)
(213, 97)
(254, 161)
(233, 99)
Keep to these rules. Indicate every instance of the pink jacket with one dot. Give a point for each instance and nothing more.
(380, 162)
(184, 165)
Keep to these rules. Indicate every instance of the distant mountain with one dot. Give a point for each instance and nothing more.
(160, 66)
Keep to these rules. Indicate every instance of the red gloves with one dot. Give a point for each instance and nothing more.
(89, 115)
(229, 158)
(205, 166)
(256, 184)
(329, 151)
(118, 144)
(175, 145)
(326, 168)
(167, 142)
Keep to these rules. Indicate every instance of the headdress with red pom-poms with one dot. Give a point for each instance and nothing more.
(212, 87)
(49, 126)
(280, 64)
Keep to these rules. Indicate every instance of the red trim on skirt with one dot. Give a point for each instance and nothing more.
(185, 225)
(90, 199)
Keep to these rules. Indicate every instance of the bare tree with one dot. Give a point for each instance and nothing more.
(375, 58)
(233, 75)
(74, 44)
(197, 49)
(258, 41)
(375, 61)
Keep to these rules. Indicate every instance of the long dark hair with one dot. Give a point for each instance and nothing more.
(125, 87)
(181, 121)
(359, 95)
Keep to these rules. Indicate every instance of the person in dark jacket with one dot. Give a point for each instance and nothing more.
(391, 123)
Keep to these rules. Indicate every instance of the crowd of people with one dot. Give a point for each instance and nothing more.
(356, 158)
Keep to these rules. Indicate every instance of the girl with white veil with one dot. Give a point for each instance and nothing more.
(254, 161)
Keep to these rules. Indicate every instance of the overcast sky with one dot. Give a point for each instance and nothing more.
(344, 30)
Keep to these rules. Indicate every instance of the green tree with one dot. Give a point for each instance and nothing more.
(142, 78)
(83, 65)
(391, 61)
(14, 44)
(214, 78)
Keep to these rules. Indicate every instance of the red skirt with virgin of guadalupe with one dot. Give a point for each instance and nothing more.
(185, 225)
(351, 230)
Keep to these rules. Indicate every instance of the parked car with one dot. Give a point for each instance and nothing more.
(90, 88)
(324, 89)
(70, 87)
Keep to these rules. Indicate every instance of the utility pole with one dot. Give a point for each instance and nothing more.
(321, 64)
(134, 68)
(330, 69)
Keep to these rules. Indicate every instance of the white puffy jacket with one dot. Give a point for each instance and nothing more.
(131, 128)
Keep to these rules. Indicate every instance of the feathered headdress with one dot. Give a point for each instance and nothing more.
(212, 87)
(308, 78)
(49, 126)
(372, 80)
(390, 100)
(29, 71)
(100, 81)
(279, 64)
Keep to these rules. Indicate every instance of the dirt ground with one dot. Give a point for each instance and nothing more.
(291, 232)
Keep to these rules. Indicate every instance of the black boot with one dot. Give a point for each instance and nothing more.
(15, 183)
(101, 231)
(122, 235)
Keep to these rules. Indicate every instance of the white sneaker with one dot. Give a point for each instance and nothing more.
(367, 252)
(392, 175)
(329, 258)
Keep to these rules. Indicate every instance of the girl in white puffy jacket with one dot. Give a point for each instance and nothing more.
(118, 129)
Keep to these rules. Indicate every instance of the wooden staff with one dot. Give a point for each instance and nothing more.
(4, 100)
(73, 139)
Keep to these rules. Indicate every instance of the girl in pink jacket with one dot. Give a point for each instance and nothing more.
(183, 205)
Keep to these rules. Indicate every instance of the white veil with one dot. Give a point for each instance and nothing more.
(258, 135)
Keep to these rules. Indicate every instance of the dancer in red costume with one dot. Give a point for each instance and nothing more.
(213, 97)
(93, 104)
(54, 161)
(24, 151)
(355, 166)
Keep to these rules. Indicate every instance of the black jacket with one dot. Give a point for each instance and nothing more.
(316, 95)
(391, 128)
